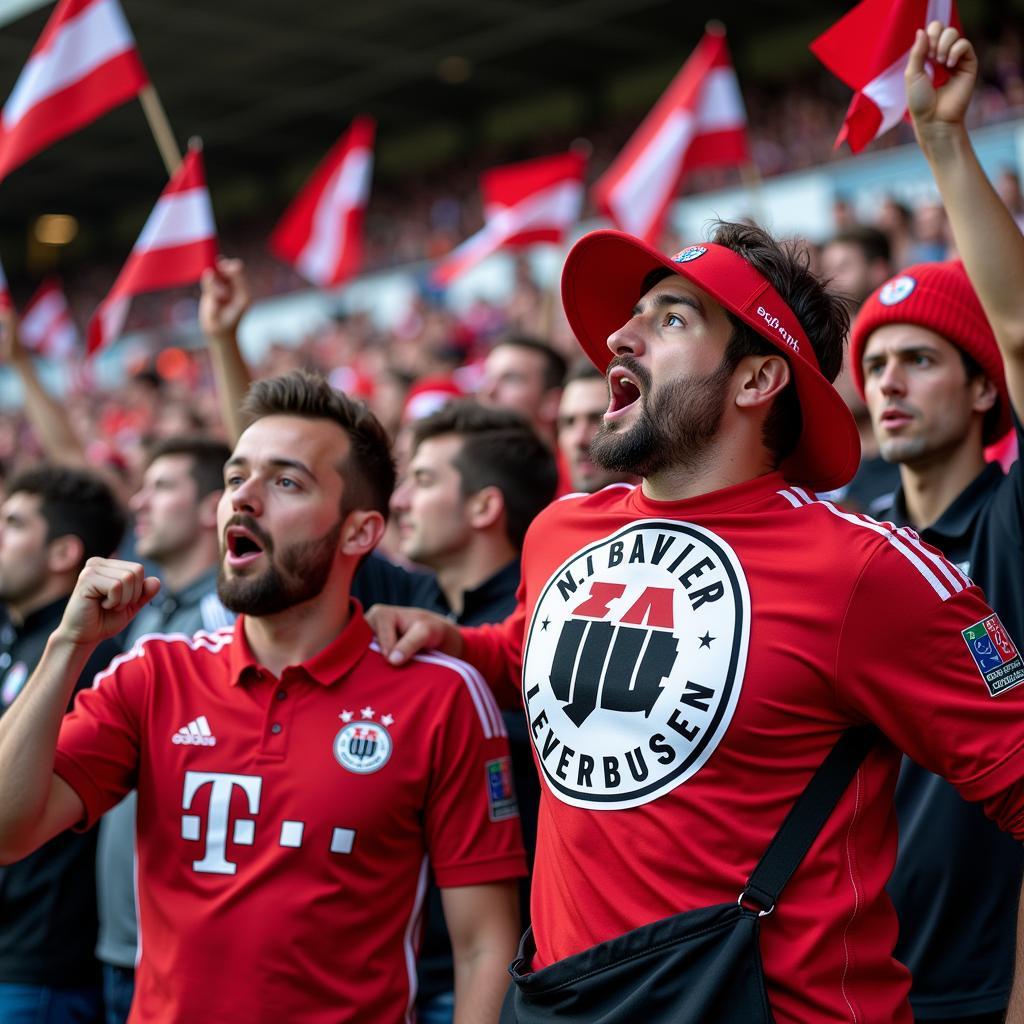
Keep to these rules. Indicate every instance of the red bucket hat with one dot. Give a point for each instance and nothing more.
(938, 296)
(602, 281)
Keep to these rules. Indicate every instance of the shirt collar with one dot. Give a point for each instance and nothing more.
(326, 667)
(46, 617)
(502, 583)
(958, 519)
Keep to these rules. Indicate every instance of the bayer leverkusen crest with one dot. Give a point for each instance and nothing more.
(634, 663)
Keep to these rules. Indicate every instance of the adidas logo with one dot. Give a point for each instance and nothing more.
(196, 734)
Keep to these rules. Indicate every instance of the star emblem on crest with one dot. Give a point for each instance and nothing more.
(387, 719)
(367, 712)
(346, 716)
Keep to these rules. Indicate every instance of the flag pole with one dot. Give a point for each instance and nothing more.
(161, 128)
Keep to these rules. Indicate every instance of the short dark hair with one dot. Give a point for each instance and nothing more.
(369, 470)
(554, 364)
(583, 369)
(824, 317)
(76, 502)
(499, 449)
(208, 457)
(872, 242)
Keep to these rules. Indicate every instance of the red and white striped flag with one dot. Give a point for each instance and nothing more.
(868, 49)
(699, 121)
(178, 242)
(321, 233)
(46, 325)
(532, 201)
(5, 293)
(84, 63)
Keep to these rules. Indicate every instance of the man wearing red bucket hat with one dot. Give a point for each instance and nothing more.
(703, 658)
(927, 351)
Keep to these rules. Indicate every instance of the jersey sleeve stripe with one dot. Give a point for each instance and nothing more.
(483, 700)
(894, 537)
(791, 498)
(950, 571)
(894, 540)
(207, 641)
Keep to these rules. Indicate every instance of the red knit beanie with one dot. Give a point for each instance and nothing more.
(940, 297)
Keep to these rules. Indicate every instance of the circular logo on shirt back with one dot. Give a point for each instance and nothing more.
(634, 662)
(363, 747)
(896, 290)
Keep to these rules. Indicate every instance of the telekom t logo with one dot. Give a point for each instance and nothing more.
(214, 860)
(243, 832)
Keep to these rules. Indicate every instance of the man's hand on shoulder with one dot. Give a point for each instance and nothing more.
(403, 632)
(108, 595)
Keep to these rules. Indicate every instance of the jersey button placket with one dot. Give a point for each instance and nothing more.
(278, 720)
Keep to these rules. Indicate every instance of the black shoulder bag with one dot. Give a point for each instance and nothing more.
(696, 967)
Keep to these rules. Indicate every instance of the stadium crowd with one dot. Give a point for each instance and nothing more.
(489, 415)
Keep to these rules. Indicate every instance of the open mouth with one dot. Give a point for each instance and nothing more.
(624, 391)
(243, 547)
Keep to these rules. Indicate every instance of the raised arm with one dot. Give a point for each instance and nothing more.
(47, 416)
(987, 238)
(223, 301)
(36, 804)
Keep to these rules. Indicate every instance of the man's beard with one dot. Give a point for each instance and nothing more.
(673, 427)
(298, 576)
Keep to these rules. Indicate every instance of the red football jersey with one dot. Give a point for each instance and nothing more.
(285, 825)
(687, 666)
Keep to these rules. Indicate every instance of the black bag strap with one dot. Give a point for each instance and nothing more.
(807, 817)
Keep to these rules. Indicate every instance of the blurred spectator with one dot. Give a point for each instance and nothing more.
(1008, 187)
(580, 414)
(52, 521)
(525, 375)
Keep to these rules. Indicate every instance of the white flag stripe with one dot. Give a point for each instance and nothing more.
(888, 90)
(557, 206)
(97, 35)
(721, 103)
(178, 219)
(644, 188)
(63, 340)
(42, 316)
(476, 247)
(349, 187)
(113, 314)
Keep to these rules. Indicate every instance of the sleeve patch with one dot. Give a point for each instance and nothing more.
(994, 654)
(501, 791)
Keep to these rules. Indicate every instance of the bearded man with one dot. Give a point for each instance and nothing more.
(291, 785)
